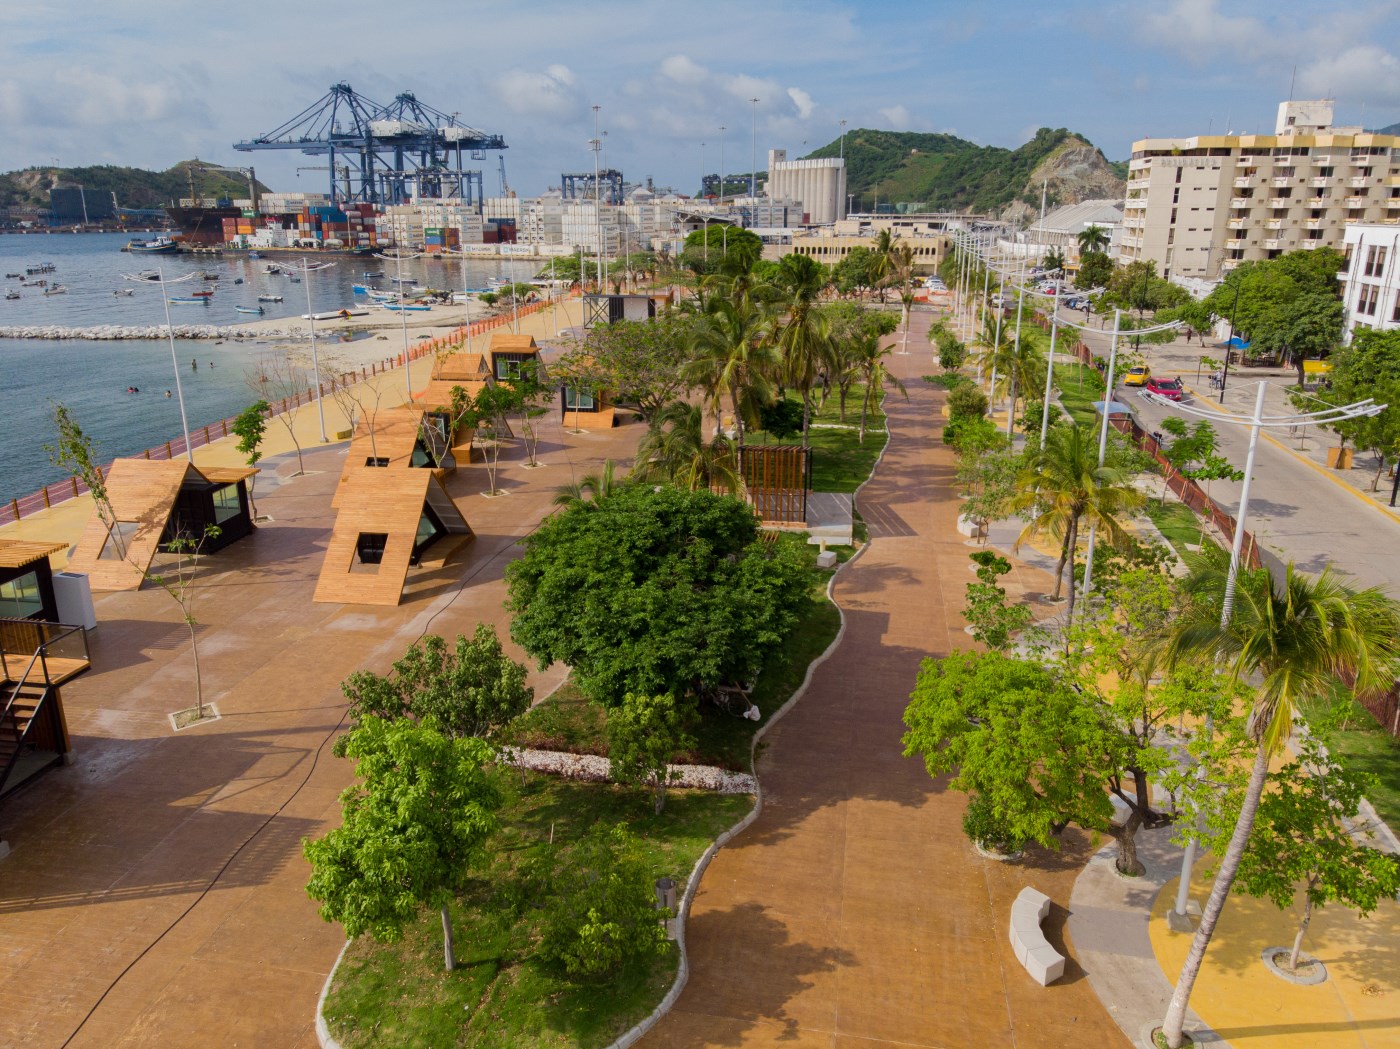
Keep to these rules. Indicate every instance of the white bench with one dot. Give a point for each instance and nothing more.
(1043, 962)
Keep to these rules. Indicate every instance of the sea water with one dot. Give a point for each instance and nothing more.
(91, 377)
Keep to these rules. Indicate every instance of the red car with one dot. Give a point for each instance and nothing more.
(1168, 388)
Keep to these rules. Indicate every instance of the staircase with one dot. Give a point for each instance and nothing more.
(32, 735)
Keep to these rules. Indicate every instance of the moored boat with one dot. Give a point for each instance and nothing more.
(269, 298)
(249, 309)
(185, 300)
(57, 289)
(154, 246)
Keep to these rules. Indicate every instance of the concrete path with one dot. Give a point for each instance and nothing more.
(155, 895)
(854, 913)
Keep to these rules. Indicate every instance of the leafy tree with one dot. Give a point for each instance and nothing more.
(1368, 367)
(492, 406)
(594, 486)
(854, 274)
(1299, 635)
(782, 419)
(1306, 836)
(1054, 260)
(993, 622)
(1137, 286)
(645, 733)
(529, 400)
(674, 451)
(639, 361)
(411, 829)
(871, 360)
(602, 912)
(177, 582)
(654, 589)
(951, 351)
(1095, 270)
(250, 427)
(76, 452)
(1195, 316)
(989, 470)
(801, 335)
(471, 689)
(721, 249)
(966, 402)
(1093, 239)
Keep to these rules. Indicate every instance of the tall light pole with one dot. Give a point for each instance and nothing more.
(843, 140)
(306, 270)
(596, 144)
(397, 259)
(753, 168)
(170, 335)
(724, 229)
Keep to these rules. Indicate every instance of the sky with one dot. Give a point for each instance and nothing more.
(153, 82)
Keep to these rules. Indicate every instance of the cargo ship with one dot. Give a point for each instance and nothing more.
(202, 225)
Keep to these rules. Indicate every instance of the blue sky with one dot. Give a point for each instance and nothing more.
(152, 82)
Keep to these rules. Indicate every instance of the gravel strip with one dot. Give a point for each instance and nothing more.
(591, 767)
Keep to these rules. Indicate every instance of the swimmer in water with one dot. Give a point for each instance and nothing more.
(167, 393)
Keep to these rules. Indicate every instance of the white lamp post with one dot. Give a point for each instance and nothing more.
(306, 270)
(397, 258)
(753, 168)
(170, 335)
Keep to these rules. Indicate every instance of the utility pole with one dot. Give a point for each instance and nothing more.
(753, 169)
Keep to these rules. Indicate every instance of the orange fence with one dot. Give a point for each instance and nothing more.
(60, 491)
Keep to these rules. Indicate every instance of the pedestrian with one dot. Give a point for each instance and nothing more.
(194, 366)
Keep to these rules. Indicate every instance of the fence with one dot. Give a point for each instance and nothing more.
(61, 491)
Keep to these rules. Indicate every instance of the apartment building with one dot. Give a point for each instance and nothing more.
(1200, 206)
(1371, 280)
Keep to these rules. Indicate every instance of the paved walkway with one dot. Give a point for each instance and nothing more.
(156, 894)
(854, 913)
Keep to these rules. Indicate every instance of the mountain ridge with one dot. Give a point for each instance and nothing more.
(134, 187)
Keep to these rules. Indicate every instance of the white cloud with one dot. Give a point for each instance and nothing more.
(1197, 30)
(897, 117)
(1365, 73)
(682, 70)
(544, 94)
(802, 101)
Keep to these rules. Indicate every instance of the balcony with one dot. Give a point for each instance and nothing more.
(1274, 224)
(1246, 181)
(1313, 223)
(1282, 180)
(1316, 202)
(1357, 202)
(1281, 202)
(1320, 181)
(1241, 202)
(1138, 183)
(1237, 223)
(1237, 244)
(1359, 181)
(1273, 244)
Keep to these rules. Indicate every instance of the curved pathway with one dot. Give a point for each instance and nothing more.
(853, 913)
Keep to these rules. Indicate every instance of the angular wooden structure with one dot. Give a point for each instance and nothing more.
(26, 580)
(777, 478)
(387, 520)
(586, 408)
(403, 438)
(509, 353)
(155, 501)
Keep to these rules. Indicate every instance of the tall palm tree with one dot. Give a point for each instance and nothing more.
(870, 359)
(1298, 636)
(802, 338)
(590, 487)
(1063, 485)
(1092, 238)
(882, 260)
(1054, 260)
(731, 355)
(675, 451)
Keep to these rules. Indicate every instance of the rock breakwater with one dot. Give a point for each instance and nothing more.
(106, 332)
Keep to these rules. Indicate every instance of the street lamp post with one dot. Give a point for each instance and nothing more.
(170, 335)
(753, 166)
(843, 140)
(306, 270)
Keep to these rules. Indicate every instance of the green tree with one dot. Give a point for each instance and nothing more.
(966, 402)
(75, 451)
(250, 427)
(1306, 837)
(530, 395)
(602, 912)
(655, 589)
(639, 361)
(645, 733)
(492, 406)
(471, 689)
(853, 274)
(1368, 367)
(993, 622)
(721, 249)
(590, 486)
(674, 451)
(1053, 260)
(1093, 239)
(411, 829)
(1095, 270)
(872, 362)
(1063, 485)
(1298, 635)
(801, 335)
(732, 355)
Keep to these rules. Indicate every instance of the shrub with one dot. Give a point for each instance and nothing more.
(966, 402)
(984, 827)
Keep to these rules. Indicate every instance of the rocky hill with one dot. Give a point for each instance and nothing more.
(947, 173)
(134, 187)
(1389, 129)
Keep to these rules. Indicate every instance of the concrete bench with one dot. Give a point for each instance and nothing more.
(1043, 962)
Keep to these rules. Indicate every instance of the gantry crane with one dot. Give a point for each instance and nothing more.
(401, 150)
(247, 173)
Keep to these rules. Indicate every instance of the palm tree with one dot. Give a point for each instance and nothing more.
(1063, 485)
(1054, 260)
(591, 487)
(1092, 238)
(731, 355)
(803, 337)
(1299, 637)
(882, 260)
(675, 451)
(874, 372)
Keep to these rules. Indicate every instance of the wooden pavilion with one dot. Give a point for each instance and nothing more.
(156, 501)
(403, 438)
(386, 522)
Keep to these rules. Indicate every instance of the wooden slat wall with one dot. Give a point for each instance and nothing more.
(139, 490)
(777, 479)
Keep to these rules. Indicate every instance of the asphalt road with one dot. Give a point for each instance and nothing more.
(1298, 509)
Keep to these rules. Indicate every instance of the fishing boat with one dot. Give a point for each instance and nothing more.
(151, 275)
(185, 300)
(154, 246)
(124, 292)
(372, 274)
(249, 309)
(11, 294)
(360, 289)
(57, 289)
(42, 267)
(404, 280)
(269, 298)
(272, 268)
(402, 308)
(202, 294)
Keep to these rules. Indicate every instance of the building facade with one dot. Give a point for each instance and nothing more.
(819, 184)
(1200, 206)
(1371, 280)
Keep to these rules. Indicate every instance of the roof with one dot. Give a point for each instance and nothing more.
(16, 553)
(142, 493)
(390, 433)
(506, 342)
(461, 366)
(227, 474)
(1075, 218)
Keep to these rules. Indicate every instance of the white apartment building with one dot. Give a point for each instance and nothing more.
(819, 184)
(1371, 280)
(1200, 206)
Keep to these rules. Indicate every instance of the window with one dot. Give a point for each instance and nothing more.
(1395, 313)
(579, 400)
(118, 541)
(369, 547)
(227, 505)
(1366, 301)
(20, 598)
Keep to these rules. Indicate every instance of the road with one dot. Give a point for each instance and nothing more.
(1299, 510)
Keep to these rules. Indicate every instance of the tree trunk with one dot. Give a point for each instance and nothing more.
(1060, 568)
(864, 409)
(841, 390)
(1125, 834)
(1072, 541)
(1302, 930)
(449, 958)
(1181, 996)
(198, 679)
(806, 415)
(1380, 468)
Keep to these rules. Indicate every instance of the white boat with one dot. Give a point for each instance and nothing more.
(57, 289)
(335, 315)
(269, 298)
(249, 309)
(186, 300)
(11, 294)
(124, 292)
(404, 280)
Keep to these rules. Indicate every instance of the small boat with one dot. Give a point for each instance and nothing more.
(360, 289)
(155, 246)
(151, 275)
(269, 298)
(43, 267)
(124, 292)
(254, 255)
(272, 268)
(34, 284)
(13, 276)
(12, 294)
(202, 294)
(57, 289)
(372, 274)
(497, 283)
(238, 280)
(249, 309)
(185, 300)
(404, 280)
(207, 275)
(402, 308)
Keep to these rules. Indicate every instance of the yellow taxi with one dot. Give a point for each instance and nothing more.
(1137, 375)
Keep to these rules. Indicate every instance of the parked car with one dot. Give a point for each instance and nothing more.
(998, 301)
(1171, 389)
(1137, 375)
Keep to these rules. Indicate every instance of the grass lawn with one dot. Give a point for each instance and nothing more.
(1366, 747)
(500, 994)
(840, 460)
(1079, 402)
(1179, 524)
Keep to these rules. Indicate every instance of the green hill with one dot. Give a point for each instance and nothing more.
(947, 173)
(134, 187)
(1389, 129)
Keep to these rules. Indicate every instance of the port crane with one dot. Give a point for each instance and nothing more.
(198, 165)
(396, 151)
